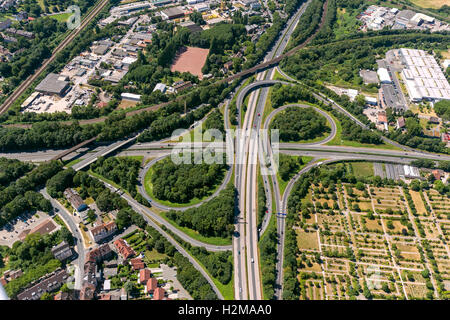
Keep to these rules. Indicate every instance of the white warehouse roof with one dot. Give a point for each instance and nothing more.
(384, 76)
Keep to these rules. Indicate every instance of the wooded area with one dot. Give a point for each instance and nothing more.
(180, 183)
(212, 219)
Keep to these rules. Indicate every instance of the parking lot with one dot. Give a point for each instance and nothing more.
(11, 232)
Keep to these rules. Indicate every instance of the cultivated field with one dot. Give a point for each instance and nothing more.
(353, 236)
(190, 59)
(436, 4)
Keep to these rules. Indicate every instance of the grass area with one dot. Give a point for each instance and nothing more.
(307, 240)
(446, 54)
(268, 109)
(368, 145)
(89, 200)
(278, 76)
(149, 190)
(154, 255)
(362, 169)
(73, 162)
(62, 17)
(282, 183)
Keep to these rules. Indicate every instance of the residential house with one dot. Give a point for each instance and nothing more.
(124, 249)
(137, 264)
(151, 286)
(103, 231)
(75, 200)
(144, 275)
(400, 123)
(62, 251)
(159, 294)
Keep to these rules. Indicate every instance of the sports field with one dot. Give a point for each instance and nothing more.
(190, 59)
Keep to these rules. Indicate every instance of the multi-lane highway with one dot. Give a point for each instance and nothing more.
(247, 271)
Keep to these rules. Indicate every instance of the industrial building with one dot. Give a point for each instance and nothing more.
(172, 13)
(423, 77)
(384, 76)
(53, 84)
(131, 96)
(131, 7)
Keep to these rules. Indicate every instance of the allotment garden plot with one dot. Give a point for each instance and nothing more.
(364, 241)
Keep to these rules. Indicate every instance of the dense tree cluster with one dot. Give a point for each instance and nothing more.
(119, 126)
(192, 280)
(20, 196)
(289, 166)
(282, 95)
(442, 109)
(60, 182)
(122, 170)
(268, 252)
(215, 121)
(296, 124)
(353, 132)
(262, 199)
(217, 263)
(11, 170)
(183, 182)
(213, 218)
(45, 135)
(308, 23)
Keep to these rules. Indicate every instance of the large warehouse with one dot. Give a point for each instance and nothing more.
(53, 84)
(423, 77)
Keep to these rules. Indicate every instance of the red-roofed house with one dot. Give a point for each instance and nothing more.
(437, 174)
(124, 249)
(151, 286)
(159, 294)
(137, 264)
(144, 275)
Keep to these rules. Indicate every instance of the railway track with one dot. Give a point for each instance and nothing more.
(26, 84)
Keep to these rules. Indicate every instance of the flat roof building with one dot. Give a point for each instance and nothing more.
(172, 13)
(53, 84)
(384, 76)
(423, 77)
(131, 96)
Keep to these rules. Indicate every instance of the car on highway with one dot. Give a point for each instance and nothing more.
(253, 260)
